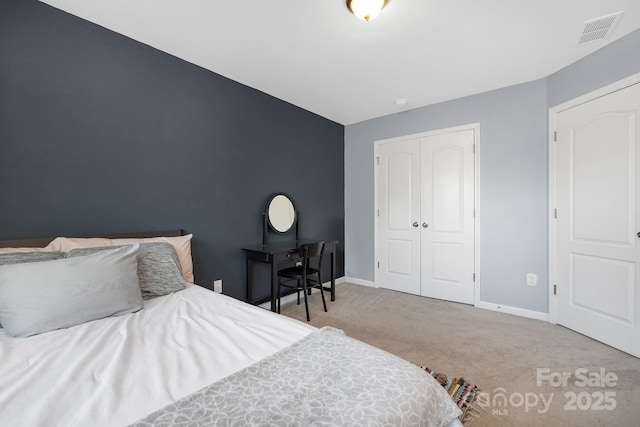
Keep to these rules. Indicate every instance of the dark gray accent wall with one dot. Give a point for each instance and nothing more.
(102, 134)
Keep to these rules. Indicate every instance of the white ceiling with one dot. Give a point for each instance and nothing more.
(317, 55)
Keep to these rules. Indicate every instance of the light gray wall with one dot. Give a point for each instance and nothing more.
(513, 165)
(513, 186)
(605, 66)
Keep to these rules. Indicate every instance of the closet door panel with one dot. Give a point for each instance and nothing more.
(447, 207)
(397, 213)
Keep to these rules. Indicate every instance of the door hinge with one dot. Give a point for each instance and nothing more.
(555, 136)
(378, 212)
(474, 148)
(378, 264)
(378, 160)
(474, 277)
(555, 213)
(555, 289)
(474, 213)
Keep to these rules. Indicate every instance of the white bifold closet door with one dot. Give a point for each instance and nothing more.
(598, 219)
(425, 215)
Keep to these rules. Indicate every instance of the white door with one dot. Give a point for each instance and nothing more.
(397, 233)
(425, 215)
(597, 240)
(447, 225)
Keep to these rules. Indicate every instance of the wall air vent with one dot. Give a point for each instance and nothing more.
(599, 28)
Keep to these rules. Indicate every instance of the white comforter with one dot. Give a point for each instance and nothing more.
(115, 371)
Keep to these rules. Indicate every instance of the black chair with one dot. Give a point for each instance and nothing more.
(305, 276)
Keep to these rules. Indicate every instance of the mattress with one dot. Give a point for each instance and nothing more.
(196, 346)
(115, 371)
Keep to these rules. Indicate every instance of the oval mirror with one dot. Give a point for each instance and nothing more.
(281, 213)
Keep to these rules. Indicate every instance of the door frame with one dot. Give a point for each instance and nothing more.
(476, 196)
(553, 117)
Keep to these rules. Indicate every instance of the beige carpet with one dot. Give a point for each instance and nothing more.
(500, 353)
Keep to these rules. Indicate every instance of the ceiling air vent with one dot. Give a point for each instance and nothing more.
(599, 28)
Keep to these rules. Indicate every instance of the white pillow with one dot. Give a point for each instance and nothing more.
(182, 244)
(37, 297)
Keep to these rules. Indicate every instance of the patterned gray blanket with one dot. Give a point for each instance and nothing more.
(325, 379)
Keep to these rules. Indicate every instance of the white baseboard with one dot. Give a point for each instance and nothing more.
(538, 315)
(359, 282)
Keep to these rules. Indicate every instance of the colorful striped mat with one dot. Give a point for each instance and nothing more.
(462, 393)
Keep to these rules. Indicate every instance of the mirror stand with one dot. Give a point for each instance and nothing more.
(265, 227)
(280, 216)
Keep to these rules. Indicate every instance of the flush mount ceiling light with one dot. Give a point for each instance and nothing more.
(366, 9)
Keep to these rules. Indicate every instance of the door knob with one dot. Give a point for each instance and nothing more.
(425, 225)
(638, 233)
(415, 224)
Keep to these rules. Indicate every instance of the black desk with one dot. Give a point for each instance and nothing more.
(278, 253)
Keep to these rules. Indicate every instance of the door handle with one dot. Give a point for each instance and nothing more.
(638, 233)
(415, 224)
(425, 225)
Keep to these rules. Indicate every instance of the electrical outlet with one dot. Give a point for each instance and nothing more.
(217, 286)
(532, 279)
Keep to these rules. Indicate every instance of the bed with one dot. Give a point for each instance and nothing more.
(194, 357)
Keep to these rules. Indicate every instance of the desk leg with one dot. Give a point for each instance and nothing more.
(248, 265)
(274, 284)
(333, 275)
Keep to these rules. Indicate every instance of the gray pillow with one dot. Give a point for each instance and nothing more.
(42, 296)
(20, 257)
(159, 270)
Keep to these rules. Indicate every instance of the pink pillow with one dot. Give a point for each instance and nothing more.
(182, 244)
(23, 250)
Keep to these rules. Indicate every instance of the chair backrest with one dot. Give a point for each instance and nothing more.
(312, 250)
